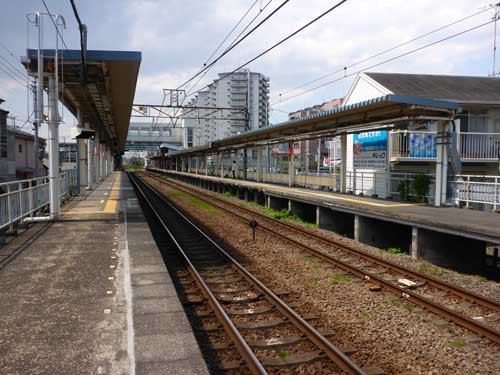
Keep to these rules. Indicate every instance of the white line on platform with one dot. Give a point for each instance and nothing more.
(127, 285)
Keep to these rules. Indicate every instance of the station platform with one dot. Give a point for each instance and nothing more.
(475, 224)
(90, 294)
(461, 239)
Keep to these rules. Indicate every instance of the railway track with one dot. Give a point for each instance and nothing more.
(472, 311)
(253, 327)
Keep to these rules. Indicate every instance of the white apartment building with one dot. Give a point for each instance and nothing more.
(240, 90)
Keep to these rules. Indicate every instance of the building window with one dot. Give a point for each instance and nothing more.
(20, 148)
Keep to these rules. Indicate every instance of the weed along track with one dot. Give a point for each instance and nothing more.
(469, 310)
(244, 325)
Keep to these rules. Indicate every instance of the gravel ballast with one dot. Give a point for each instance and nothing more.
(386, 331)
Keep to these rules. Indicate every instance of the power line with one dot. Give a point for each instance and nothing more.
(232, 43)
(386, 61)
(282, 40)
(23, 84)
(51, 16)
(238, 42)
(230, 32)
(8, 51)
(378, 54)
(189, 90)
(13, 69)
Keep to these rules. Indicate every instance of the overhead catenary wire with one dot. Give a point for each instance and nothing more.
(188, 90)
(231, 44)
(12, 69)
(231, 31)
(385, 61)
(237, 43)
(51, 16)
(14, 78)
(289, 36)
(19, 72)
(385, 51)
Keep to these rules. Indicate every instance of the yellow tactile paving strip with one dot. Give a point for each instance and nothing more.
(111, 200)
(354, 200)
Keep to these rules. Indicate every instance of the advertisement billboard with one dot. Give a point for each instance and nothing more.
(370, 150)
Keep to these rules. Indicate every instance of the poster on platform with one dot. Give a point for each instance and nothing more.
(422, 145)
(370, 150)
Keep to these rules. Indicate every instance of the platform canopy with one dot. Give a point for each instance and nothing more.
(384, 111)
(105, 97)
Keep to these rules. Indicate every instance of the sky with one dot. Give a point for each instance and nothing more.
(177, 36)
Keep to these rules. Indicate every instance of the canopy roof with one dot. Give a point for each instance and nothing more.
(370, 114)
(105, 99)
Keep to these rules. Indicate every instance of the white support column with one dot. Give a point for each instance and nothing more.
(414, 249)
(222, 165)
(82, 167)
(82, 162)
(54, 188)
(106, 169)
(106, 164)
(206, 165)
(90, 164)
(101, 160)
(291, 166)
(245, 164)
(343, 161)
(442, 141)
(97, 159)
(259, 164)
(110, 158)
(197, 161)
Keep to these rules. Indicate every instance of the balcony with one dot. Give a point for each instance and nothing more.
(421, 146)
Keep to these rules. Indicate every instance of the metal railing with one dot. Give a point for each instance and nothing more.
(22, 198)
(413, 144)
(476, 189)
(479, 146)
(421, 145)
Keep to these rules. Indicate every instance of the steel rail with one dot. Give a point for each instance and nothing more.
(241, 345)
(433, 281)
(331, 351)
(462, 320)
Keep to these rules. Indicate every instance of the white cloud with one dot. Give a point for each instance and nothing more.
(175, 38)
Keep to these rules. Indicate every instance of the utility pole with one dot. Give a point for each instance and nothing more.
(39, 89)
(495, 18)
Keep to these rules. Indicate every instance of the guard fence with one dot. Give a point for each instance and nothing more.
(23, 198)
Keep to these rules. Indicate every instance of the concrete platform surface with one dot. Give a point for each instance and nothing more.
(465, 222)
(90, 294)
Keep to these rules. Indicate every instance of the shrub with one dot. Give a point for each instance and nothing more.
(404, 189)
(395, 251)
(421, 183)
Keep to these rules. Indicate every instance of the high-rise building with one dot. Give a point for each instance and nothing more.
(240, 90)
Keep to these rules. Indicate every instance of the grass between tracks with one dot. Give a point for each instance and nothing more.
(195, 202)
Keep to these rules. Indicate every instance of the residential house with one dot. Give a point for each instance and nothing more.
(313, 155)
(476, 131)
